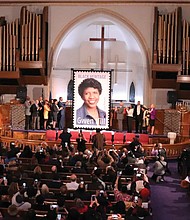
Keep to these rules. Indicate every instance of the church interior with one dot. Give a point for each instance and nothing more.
(145, 44)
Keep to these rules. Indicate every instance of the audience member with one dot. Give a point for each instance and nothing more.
(45, 192)
(98, 140)
(65, 137)
(12, 213)
(81, 192)
(80, 206)
(78, 168)
(159, 169)
(73, 185)
(26, 153)
(122, 195)
(81, 143)
(18, 200)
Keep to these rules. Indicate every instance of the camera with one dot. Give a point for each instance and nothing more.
(93, 197)
(136, 199)
(58, 216)
(101, 193)
(53, 207)
(114, 217)
(119, 173)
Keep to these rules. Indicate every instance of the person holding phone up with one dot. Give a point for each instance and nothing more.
(123, 194)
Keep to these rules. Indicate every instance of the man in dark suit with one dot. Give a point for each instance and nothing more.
(138, 115)
(61, 114)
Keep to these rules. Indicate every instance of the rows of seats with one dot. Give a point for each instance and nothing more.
(111, 137)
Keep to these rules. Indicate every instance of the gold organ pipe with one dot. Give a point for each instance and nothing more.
(1, 42)
(175, 37)
(187, 48)
(37, 37)
(33, 36)
(3, 50)
(159, 38)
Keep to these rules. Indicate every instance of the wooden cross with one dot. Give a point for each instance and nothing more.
(102, 39)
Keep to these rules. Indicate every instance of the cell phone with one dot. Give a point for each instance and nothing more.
(114, 217)
(36, 181)
(58, 216)
(138, 175)
(93, 197)
(119, 173)
(145, 205)
(4, 178)
(24, 185)
(136, 199)
(53, 206)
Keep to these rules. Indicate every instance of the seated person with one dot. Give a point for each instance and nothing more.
(78, 168)
(40, 205)
(73, 185)
(18, 200)
(26, 153)
(12, 213)
(45, 192)
(81, 192)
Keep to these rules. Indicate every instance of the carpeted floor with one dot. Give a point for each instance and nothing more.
(169, 201)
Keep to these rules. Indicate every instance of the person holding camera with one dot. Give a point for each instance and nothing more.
(122, 195)
(138, 210)
(159, 167)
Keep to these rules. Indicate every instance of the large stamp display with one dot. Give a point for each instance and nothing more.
(91, 99)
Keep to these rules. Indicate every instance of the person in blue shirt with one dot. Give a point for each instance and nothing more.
(89, 113)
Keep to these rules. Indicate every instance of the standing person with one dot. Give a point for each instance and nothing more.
(41, 112)
(129, 111)
(152, 118)
(46, 113)
(81, 143)
(54, 110)
(65, 137)
(120, 116)
(27, 106)
(35, 115)
(89, 114)
(61, 114)
(98, 140)
(138, 115)
(146, 116)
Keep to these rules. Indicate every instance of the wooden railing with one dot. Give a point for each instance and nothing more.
(172, 150)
